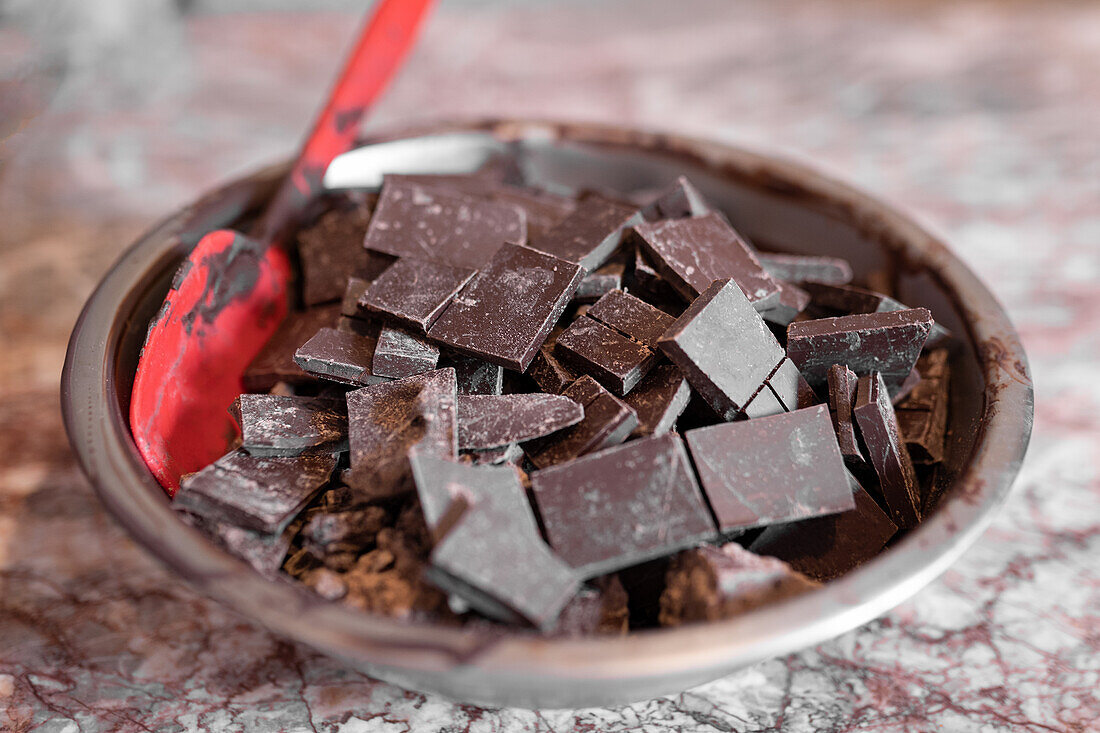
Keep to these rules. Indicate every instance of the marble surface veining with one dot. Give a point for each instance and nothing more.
(982, 117)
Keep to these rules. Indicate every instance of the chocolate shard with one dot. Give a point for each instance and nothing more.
(692, 253)
(880, 435)
(349, 304)
(922, 415)
(711, 583)
(261, 494)
(723, 348)
(329, 251)
(838, 299)
(622, 506)
(432, 224)
(275, 362)
(273, 425)
(842, 396)
(798, 268)
(475, 376)
(549, 373)
(415, 292)
(599, 282)
(824, 548)
(387, 421)
(489, 421)
(600, 607)
(341, 356)
(658, 400)
(505, 313)
(399, 353)
(678, 201)
(614, 360)
(607, 421)
(792, 301)
(888, 343)
(263, 551)
(646, 282)
(771, 469)
(632, 317)
(590, 234)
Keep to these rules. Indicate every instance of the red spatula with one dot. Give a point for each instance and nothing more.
(232, 291)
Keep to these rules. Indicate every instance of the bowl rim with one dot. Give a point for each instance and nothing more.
(518, 662)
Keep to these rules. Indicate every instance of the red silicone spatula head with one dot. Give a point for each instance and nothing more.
(232, 291)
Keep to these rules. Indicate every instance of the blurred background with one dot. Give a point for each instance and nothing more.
(981, 116)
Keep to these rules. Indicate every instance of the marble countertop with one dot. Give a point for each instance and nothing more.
(979, 116)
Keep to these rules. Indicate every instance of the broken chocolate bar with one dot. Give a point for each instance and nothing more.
(399, 353)
(678, 201)
(273, 425)
(475, 376)
(342, 356)
(658, 400)
(838, 299)
(791, 302)
(488, 421)
(548, 371)
(878, 428)
(798, 268)
(922, 415)
(607, 421)
(590, 234)
(614, 360)
(632, 317)
(275, 362)
(842, 396)
(599, 282)
(415, 292)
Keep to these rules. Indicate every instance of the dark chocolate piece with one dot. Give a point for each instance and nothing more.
(548, 371)
(614, 360)
(911, 382)
(415, 292)
(658, 400)
(851, 300)
(824, 548)
(763, 404)
(400, 353)
(632, 317)
(507, 310)
(711, 583)
(600, 282)
(648, 283)
(275, 362)
(790, 387)
(842, 396)
(771, 469)
(475, 376)
(922, 415)
(342, 356)
(797, 268)
(723, 348)
(692, 253)
(437, 225)
(888, 343)
(329, 251)
(273, 425)
(261, 494)
(678, 201)
(881, 439)
(349, 304)
(607, 421)
(599, 608)
(263, 551)
(792, 301)
(489, 421)
(622, 506)
(590, 234)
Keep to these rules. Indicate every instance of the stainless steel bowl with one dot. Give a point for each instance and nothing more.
(779, 204)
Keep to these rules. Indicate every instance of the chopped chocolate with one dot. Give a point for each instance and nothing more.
(823, 548)
(400, 353)
(648, 283)
(678, 201)
(922, 415)
(789, 387)
(441, 481)
(263, 551)
(329, 251)
(711, 583)
(349, 304)
(622, 506)
(475, 376)
(505, 313)
(723, 348)
(792, 301)
(489, 421)
(275, 362)
(763, 404)
(415, 292)
(771, 469)
(888, 343)
(437, 225)
(798, 268)
(389, 580)
(600, 282)
(842, 396)
(692, 253)
(880, 435)
(851, 300)
(548, 371)
(632, 317)
(658, 400)
(288, 426)
(614, 360)
(590, 234)
(598, 608)
(607, 421)
(261, 494)
(341, 356)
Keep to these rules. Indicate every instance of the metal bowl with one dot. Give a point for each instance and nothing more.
(779, 204)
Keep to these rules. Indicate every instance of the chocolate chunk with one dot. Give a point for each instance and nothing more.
(922, 415)
(678, 201)
(711, 583)
(607, 421)
(261, 494)
(415, 292)
(692, 253)
(622, 506)
(263, 551)
(548, 371)
(658, 400)
(614, 360)
(432, 224)
(441, 481)
(792, 301)
(488, 421)
(349, 304)
(850, 300)
(590, 234)
(797, 268)
(475, 376)
(842, 395)
(723, 348)
(771, 469)
(288, 426)
(632, 317)
(600, 282)
(341, 356)
(648, 283)
(386, 421)
(879, 432)
(275, 362)
(599, 608)
(824, 548)
(330, 250)
(888, 343)
(399, 353)
(911, 382)
(505, 313)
